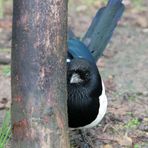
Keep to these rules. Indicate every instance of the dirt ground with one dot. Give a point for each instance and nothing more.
(124, 68)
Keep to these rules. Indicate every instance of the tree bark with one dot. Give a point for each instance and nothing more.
(39, 97)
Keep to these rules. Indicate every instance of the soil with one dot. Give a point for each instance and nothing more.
(124, 69)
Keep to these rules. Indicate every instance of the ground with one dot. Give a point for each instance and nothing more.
(124, 68)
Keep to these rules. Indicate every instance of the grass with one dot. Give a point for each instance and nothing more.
(136, 146)
(91, 2)
(6, 70)
(138, 4)
(87, 3)
(5, 130)
(1, 9)
(5, 50)
(133, 123)
(3, 3)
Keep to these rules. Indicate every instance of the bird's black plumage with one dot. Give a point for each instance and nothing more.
(83, 96)
(87, 102)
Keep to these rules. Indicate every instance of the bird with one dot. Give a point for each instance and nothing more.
(86, 91)
(87, 101)
(85, 88)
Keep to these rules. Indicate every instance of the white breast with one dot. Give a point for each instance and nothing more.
(102, 109)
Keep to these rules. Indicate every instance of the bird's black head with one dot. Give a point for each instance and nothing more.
(84, 88)
(79, 72)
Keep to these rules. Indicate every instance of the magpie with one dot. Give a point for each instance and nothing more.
(87, 102)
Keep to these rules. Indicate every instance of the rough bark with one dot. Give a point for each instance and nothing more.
(39, 109)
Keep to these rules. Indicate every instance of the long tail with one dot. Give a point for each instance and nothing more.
(102, 27)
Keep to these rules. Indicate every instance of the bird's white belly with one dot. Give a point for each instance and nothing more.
(102, 109)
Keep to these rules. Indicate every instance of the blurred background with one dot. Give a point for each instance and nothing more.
(123, 66)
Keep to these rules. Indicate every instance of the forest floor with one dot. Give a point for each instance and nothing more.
(124, 68)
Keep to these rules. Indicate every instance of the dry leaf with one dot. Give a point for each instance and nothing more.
(125, 141)
(107, 146)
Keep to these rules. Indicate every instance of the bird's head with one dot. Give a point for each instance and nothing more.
(84, 89)
(83, 73)
(79, 72)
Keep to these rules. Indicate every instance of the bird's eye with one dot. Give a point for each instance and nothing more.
(84, 75)
(87, 74)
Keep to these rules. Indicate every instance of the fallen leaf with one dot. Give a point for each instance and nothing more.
(107, 146)
(124, 141)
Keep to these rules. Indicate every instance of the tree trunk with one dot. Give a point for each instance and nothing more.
(39, 97)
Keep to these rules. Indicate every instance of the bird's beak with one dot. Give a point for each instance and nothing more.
(75, 78)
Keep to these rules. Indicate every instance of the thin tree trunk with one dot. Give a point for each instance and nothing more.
(39, 109)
